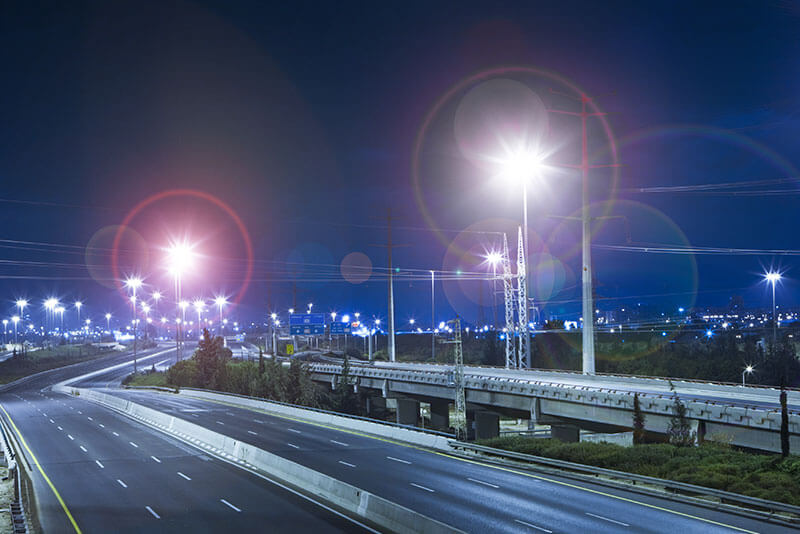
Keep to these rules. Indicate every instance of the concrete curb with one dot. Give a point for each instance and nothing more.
(360, 503)
(405, 435)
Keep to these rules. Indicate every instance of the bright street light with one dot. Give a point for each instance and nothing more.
(747, 370)
(773, 277)
(221, 302)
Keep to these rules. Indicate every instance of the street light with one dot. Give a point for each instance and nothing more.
(108, 322)
(133, 283)
(220, 301)
(747, 370)
(198, 305)
(78, 305)
(180, 258)
(5, 331)
(15, 320)
(773, 277)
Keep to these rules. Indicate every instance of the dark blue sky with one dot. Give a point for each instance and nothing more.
(303, 117)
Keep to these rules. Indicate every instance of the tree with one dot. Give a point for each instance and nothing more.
(344, 399)
(260, 361)
(212, 357)
(299, 387)
(784, 425)
(183, 374)
(680, 432)
(638, 421)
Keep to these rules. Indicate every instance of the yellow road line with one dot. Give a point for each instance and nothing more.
(44, 475)
(492, 466)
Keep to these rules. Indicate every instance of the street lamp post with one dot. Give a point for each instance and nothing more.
(108, 322)
(773, 277)
(433, 317)
(78, 305)
(15, 320)
(133, 284)
(220, 302)
(5, 331)
(747, 370)
(179, 259)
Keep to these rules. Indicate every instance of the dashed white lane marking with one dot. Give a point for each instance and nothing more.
(392, 458)
(80, 412)
(153, 512)
(121, 483)
(259, 421)
(83, 448)
(422, 487)
(102, 425)
(220, 423)
(52, 421)
(347, 464)
(70, 436)
(156, 459)
(251, 432)
(226, 503)
(183, 476)
(60, 428)
(607, 519)
(521, 522)
(89, 418)
(100, 464)
(293, 445)
(339, 443)
(115, 434)
(475, 480)
(132, 443)
(294, 430)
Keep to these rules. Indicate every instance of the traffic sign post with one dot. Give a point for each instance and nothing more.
(340, 328)
(307, 324)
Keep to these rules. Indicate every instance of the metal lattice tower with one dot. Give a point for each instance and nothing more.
(522, 311)
(460, 416)
(508, 294)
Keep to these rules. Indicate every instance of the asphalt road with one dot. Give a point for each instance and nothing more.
(116, 475)
(470, 495)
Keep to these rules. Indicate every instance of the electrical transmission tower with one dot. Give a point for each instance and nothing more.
(522, 307)
(460, 418)
(508, 294)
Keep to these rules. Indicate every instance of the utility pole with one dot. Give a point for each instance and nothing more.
(588, 364)
(433, 317)
(524, 347)
(460, 415)
(508, 294)
(389, 246)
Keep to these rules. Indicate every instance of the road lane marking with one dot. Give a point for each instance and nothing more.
(115, 434)
(220, 423)
(70, 436)
(80, 412)
(226, 503)
(156, 459)
(347, 464)
(183, 476)
(392, 458)
(607, 519)
(44, 475)
(521, 522)
(100, 464)
(251, 432)
(132, 443)
(102, 425)
(153, 512)
(83, 448)
(52, 421)
(121, 483)
(339, 443)
(60, 428)
(294, 430)
(89, 418)
(422, 487)
(475, 480)
(490, 466)
(293, 445)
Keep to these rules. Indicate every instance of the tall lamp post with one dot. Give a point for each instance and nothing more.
(15, 320)
(5, 331)
(220, 301)
(78, 305)
(433, 316)
(108, 322)
(133, 283)
(747, 370)
(773, 277)
(179, 260)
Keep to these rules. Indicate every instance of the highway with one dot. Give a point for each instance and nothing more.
(107, 473)
(470, 495)
(758, 397)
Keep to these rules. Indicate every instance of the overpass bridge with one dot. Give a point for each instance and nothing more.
(569, 401)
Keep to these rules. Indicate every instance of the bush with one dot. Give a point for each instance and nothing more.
(184, 374)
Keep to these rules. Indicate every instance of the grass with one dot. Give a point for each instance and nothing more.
(146, 379)
(712, 465)
(32, 362)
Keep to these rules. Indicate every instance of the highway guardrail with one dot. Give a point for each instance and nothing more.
(765, 509)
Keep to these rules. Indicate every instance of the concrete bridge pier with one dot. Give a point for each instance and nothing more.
(407, 412)
(487, 424)
(565, 432)
(440, 415)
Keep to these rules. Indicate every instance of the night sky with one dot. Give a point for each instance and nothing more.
(310, 119)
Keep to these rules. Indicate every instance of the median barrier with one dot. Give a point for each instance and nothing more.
(375, 509)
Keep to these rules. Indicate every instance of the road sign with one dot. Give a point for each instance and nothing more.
(307, 324)
(340, 328)
(289, 349)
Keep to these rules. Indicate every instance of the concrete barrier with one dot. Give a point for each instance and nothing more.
(405, 435)
(360, 503)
